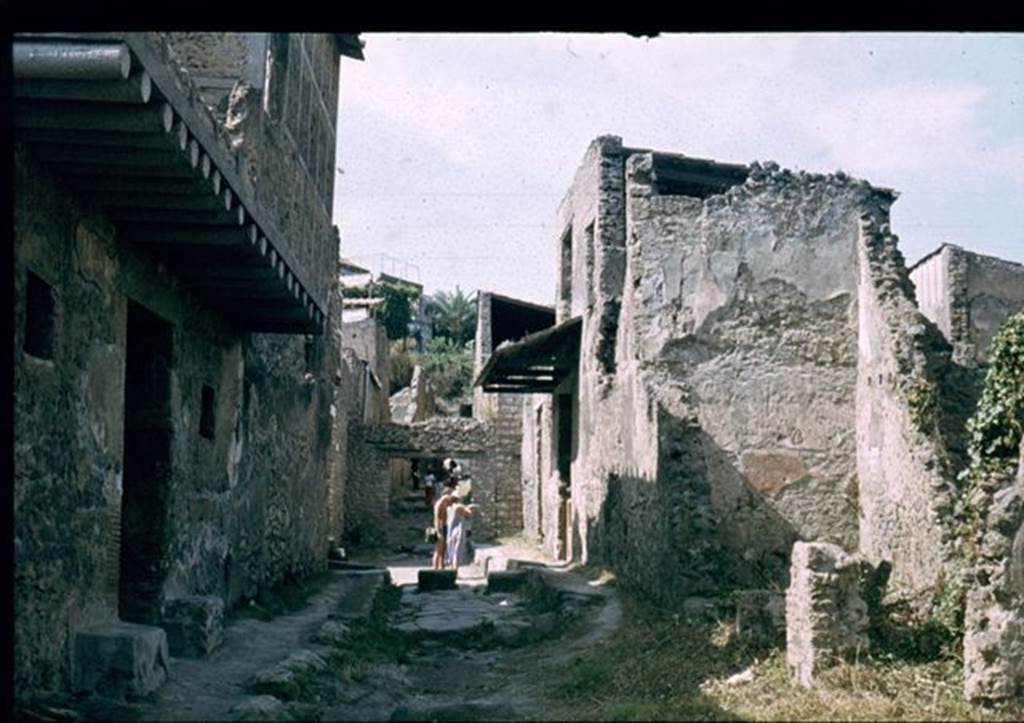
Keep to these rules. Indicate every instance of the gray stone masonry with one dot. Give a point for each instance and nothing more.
(121, 659)
(194, 624)
(994, 619)
(826, 616)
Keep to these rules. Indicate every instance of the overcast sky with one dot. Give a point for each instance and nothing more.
(455, 150)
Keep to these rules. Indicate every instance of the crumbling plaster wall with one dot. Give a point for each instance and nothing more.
(736, 356)
(536, 465)
(721, 382)
(245, 507)
(909, 415)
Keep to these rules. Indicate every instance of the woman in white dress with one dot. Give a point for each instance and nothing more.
(460, 521)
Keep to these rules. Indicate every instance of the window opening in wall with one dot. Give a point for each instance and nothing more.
(465, 410)
(207, 416)
(565, 282)
(39, 315)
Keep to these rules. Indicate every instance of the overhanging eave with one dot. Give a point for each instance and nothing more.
(536, 365)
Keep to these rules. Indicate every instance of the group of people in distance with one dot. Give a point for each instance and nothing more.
(453, 518)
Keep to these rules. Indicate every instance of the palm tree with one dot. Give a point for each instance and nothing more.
(454, 315)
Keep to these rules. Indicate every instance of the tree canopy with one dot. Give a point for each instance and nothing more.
(453, 315)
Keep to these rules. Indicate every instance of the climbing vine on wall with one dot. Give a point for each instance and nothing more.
(997, 425)
(994, 434)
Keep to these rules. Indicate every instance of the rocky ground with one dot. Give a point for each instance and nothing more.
(370, 646)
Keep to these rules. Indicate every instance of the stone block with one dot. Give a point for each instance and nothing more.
(507, 580)
(121, 659)
(826, 616)
(761, 614)
(428, 580)
(514, 564)
(194, 624)
(994, 618)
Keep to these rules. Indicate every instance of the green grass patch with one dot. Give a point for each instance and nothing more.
(368, 643)
(659, 666)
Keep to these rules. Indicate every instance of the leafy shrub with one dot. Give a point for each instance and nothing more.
(997, 425)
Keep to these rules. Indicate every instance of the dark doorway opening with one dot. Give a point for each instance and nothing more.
(566, 422)
(148, 432)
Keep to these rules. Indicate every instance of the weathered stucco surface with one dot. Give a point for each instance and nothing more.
(906, 387)
(751, 368)
(968, 296)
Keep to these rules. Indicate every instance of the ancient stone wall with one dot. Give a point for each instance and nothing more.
(475, 445)
(994, 618)
(280, 127)
(735, 374)
(502, 413)
(909, 412)
(243, 498)
(968, 296)
(535, 465)
(243, 503)
(724, 377)
(826, 615)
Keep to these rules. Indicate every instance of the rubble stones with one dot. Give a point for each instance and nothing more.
(826, 616)
(281, 678)
(194, 625)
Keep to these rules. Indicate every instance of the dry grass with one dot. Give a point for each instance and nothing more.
(659, 666)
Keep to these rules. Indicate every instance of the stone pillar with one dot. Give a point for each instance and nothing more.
(826, 616)
(994, 618)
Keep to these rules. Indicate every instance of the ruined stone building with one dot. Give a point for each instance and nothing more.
(174, 264)
(738, 363)
(967, 296)
(504, 320)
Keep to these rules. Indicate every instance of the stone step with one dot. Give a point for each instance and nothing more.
(429, 580)
(121, 659)
(507, 580)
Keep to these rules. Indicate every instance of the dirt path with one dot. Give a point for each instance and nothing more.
(448, 679)
(469, 654)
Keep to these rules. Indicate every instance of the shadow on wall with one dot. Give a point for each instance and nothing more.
(664, 536)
